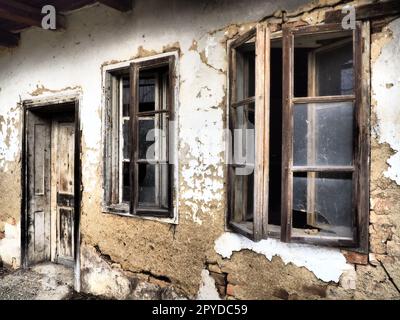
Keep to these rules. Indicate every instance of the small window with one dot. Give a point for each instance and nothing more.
(305, 174)
(139, 176)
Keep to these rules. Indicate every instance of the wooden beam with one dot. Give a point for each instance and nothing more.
(24, 14)
(8, 39)
(367, 11)
(120, 5)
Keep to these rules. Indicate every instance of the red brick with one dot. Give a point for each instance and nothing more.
(230, 289)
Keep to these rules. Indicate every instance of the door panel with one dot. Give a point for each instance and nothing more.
(38, 179)
(64, 171)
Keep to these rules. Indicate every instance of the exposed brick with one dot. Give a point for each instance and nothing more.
(230, 289)
(355, 257)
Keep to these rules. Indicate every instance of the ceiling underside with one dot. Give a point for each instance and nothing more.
(22, 14)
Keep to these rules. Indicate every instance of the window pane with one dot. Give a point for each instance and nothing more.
(243, 197)
(323, 64)
(245, 68)
(244, 135)
(325, 199)
(153, 133)
(126, 139)
(147, 94)
(244, 155)
(126, 184)
(125, 96)
(153, 185)
(146, 138)
(323, 134)
(335, 71)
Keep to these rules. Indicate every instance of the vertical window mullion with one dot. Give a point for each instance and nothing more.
(134, 75)
(311, 141)
(121, 139)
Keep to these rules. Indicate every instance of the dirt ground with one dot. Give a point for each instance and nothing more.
(41, 282)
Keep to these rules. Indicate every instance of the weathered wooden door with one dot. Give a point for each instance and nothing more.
(38, 179)
(63, 142)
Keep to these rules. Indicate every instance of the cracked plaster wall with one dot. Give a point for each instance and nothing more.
(70, 61)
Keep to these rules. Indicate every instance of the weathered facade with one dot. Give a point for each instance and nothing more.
(194, 254)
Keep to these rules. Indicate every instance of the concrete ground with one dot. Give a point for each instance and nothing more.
(45, 281)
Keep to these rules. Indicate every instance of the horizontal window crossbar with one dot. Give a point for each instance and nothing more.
(322, 169)
(323, 99)
(242, 165)
(243, 102)
(150, 161)
(151, 113)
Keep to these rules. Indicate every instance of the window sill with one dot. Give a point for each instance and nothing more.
(122, 210)
(299, 236)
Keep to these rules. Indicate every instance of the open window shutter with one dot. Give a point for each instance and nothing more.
(259, 199)
(362, 152)
(262, 99)
(361, 104)
(136, 114)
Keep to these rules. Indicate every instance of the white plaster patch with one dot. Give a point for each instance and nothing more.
(207, 290)
(386, 93)
(327, 264)
(10, 246)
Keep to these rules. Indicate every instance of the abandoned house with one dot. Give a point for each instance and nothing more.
(203, 149)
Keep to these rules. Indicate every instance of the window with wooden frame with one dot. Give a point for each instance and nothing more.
(310, 179)
(139, 176)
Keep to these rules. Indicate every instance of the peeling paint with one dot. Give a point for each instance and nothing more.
(327, 264)
(386, 94)
(207, 290)
(10, 245)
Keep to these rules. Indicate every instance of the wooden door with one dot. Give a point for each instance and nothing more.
(63, 190)
(38, 182)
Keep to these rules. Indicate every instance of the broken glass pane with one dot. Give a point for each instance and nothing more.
(328, 198)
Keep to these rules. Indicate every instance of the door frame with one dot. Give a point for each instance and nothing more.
(50, 104)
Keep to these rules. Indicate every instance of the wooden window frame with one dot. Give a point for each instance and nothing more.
(135, 69)
(112, 74)
(112, 142)
(261, 165)
(361, 135)
(361, 99)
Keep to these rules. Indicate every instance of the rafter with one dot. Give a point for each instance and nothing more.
(24, 14)
(120, 5)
